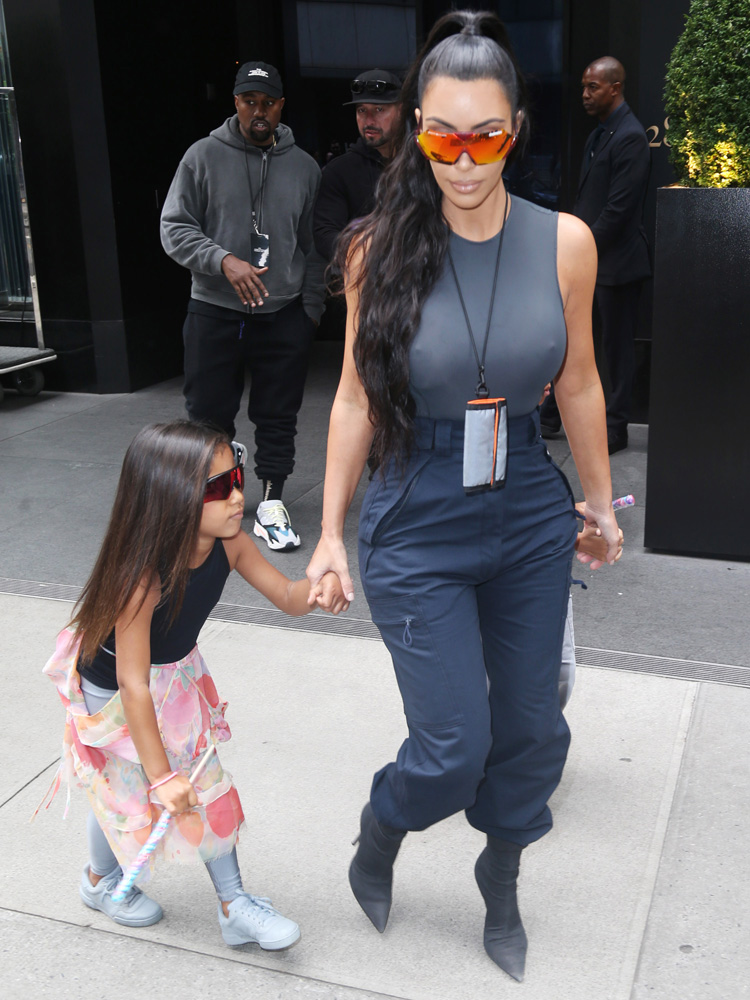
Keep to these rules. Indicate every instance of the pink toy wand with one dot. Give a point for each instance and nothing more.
(623, 502)
(134, 870)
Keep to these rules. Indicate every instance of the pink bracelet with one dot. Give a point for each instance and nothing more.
(162, 781)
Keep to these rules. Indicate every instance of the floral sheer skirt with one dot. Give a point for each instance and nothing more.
(99, 755)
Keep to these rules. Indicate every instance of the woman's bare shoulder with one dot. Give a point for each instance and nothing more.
(573, 235)
(576, 257)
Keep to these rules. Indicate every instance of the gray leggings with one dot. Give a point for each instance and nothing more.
(224, 871)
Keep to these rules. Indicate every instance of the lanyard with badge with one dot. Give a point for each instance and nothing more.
(260, 244)
(486, 418)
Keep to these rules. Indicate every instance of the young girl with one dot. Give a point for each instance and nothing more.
(141, 705)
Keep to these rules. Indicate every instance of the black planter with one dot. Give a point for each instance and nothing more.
(699, 428)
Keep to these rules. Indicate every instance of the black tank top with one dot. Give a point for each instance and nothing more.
(169, 644)
(528, 337)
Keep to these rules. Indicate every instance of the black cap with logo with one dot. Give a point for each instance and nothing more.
(258, 76)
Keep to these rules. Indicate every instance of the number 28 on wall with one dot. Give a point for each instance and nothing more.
(653, 135)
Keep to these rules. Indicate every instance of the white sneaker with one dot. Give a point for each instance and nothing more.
(136, 910)
(252, 920)
(272, 523)
(240, 453)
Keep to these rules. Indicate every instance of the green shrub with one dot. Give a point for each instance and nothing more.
(707, 96)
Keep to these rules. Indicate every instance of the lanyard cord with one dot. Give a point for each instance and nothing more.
(266, 162)
(482, 390)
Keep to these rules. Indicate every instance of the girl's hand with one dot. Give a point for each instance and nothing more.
(330, 595)
(329, 557)
(603, 523)
(176, 795)
(591, 547)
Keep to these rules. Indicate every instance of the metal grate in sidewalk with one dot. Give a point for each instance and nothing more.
(360, 628)
(30, 588)
(664, 666)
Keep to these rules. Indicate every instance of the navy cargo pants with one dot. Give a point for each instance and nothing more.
(468, 590)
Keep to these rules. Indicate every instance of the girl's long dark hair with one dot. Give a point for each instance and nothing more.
(405, 238)
(153, 527)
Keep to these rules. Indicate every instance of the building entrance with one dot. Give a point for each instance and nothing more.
(21, 344)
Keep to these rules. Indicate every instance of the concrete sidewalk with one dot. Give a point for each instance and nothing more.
(641, 890)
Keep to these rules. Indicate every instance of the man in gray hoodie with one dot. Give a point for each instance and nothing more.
(239, 215)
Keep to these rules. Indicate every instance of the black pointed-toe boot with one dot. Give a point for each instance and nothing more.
(496, 872)
(371, 870)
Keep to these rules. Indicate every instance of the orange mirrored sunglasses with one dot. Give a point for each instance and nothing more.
(482, 147)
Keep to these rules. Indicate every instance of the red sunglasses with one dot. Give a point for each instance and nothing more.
(482, 147)
(220, 487)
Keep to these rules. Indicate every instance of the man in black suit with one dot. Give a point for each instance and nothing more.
(611, 193)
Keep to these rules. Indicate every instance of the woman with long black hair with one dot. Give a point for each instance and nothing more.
(462, 303)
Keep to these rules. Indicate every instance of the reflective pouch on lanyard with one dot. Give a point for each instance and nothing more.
(485, 445)
(260, 246)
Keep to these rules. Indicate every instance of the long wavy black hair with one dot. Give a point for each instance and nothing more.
(406, 237)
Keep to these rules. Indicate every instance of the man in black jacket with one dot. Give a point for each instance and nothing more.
(611, 192)
(347, 189)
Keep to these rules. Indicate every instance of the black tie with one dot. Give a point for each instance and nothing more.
(600, 130)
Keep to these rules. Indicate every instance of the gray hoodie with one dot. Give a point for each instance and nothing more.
(207, 215)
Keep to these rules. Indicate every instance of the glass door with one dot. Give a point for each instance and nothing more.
(19, 302)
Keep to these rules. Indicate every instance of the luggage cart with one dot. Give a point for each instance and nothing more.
(19, 369)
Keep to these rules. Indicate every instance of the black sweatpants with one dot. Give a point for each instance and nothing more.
(618, 309)
(275, 347)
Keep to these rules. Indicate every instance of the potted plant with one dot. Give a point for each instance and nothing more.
(699, 451)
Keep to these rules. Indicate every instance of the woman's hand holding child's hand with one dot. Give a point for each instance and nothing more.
(176, 795)
(592, 546)
(329, 595)
(329, 555)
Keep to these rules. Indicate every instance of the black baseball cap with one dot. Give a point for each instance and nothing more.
(258, 76)
(375, 86)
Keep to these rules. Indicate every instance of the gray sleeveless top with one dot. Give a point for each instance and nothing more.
(527, 339)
